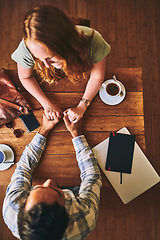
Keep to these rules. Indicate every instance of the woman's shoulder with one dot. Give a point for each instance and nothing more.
(99, 48)
(23, 56)
(86, 30)
(22, 47)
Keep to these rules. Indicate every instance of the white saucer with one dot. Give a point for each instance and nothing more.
(109, 100)
(9, 155)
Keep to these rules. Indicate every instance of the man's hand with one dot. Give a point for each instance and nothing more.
(73, 128)
(47, 125)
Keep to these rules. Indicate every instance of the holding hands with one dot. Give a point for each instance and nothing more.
(75, 114)
(47, 125)
(73, 128)
(52, 111)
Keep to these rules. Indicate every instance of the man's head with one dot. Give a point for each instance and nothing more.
(43, 216)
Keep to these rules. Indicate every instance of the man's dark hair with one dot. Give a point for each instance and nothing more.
(42, 221)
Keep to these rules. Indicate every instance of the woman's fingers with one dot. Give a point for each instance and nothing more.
(51, 115)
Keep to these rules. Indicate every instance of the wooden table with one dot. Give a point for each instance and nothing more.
(58, 160)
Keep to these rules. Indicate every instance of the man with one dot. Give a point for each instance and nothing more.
(46, 211)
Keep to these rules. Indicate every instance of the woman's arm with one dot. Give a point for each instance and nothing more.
(31, 85)
(93, 86)
(95, 80)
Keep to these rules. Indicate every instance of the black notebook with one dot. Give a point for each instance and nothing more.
(120, 153)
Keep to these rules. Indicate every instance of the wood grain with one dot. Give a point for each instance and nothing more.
(131, 27)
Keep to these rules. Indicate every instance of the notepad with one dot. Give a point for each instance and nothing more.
(120, 153)
(143, 176)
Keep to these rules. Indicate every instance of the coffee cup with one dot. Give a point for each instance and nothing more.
(112, 88)
(2, 157)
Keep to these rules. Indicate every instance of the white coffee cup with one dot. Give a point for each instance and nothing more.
(2, 157)
(112, 88)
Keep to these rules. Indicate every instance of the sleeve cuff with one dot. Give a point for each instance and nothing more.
(39, 141)
(79, 142)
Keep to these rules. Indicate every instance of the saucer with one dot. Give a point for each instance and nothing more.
(109, 100)
(9, 155)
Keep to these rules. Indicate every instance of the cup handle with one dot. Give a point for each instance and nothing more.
(103, 85)
(114, 77)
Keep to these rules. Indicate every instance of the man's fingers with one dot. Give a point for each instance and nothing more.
(65, 118)
(75, 120)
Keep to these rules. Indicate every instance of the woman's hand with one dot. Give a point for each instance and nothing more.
(75, 114)
(31, 85)
(52, 111)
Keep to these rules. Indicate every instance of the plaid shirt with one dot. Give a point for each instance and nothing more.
(82, 209)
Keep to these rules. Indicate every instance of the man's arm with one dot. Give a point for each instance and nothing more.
(89, 193)
(22, 177)
(21, 180)
(90, 173)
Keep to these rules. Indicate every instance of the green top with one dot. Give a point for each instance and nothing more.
(99, 49)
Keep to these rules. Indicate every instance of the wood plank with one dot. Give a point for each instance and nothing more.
(130, 77)
(53, 157)
(132, 104)
(143, 213)
(54, 150)
(51, 166)
(153, 24)
(102, 216)
(71, 8)
(100, 22)
(143, 46)
(132, 39)
(56, 141)
(92, 123)
(110, 32)
(157, 207)
(81, 8)
(58, 167)
(130, 220)
(91, 12)
(150, 214)
(121, 20)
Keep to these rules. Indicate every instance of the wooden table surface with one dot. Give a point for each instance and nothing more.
(58, 161)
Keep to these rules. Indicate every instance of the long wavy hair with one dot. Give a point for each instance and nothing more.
(52, 27)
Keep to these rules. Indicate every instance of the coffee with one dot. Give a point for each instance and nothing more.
(112, 89)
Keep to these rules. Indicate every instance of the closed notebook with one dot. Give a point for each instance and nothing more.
(120, 153)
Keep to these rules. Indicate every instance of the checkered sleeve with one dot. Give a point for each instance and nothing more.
(21, 181)
(86, 210)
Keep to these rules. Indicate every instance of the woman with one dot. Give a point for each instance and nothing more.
(51, 41)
